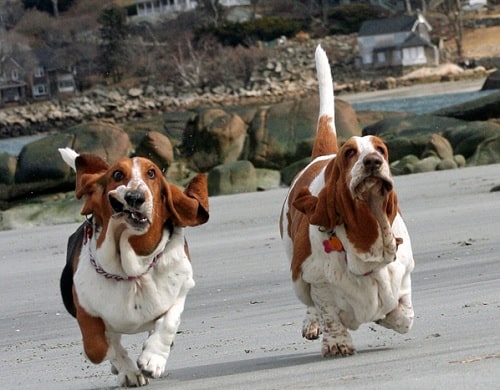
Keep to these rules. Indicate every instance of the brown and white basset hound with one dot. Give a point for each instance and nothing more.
(127, 267)
(348, 246)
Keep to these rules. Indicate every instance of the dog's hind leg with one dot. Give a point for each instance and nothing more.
(401, 318)
(336, 338)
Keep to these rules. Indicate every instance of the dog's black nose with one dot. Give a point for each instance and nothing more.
(372, 162)
(135, 198)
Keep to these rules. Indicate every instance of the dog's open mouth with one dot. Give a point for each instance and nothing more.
(134, 217)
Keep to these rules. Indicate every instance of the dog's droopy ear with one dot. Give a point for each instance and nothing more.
(315, 208)
(89, 170)
(189, 208)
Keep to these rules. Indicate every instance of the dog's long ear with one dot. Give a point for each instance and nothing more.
(316, 208)
(189, 208)
(89, 170)
(392, 207)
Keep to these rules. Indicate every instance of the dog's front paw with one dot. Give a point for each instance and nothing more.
(311, 329)
(151, 364)
(132, 379)
(332, 346)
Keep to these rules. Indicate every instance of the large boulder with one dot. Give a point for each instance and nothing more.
(410, 135)
(480, 109)
(38, 160)
(487, 152)
(214, 137)
(466, 139)
(492, 81)
(284, 132)
(158, 148)
(8, 165)
(232, 178)
(40, 169)
(438, 146)
(104, 139)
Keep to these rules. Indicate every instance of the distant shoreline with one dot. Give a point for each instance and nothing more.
(415, 90)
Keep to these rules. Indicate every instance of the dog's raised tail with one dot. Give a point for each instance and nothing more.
(69, 156)
(326, 135)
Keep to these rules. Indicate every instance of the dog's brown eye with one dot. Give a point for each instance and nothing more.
(151, 173)
(381, 150)
(350, 153)
(118, 175)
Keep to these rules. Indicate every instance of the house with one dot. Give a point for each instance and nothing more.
(155, 8)
(50, 75)
(402, 41)
(12, 84)
(152, 8)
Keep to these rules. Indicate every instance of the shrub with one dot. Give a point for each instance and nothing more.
(248, 33)
(347, 19)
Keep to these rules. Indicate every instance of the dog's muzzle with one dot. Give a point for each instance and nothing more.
(131, 205)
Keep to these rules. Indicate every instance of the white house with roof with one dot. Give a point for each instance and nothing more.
(400, 41)
(155, 8)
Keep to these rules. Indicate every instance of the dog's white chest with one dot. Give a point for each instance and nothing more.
(131, 306)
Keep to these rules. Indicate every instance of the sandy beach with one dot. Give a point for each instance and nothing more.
(241, 327)
(416, 90)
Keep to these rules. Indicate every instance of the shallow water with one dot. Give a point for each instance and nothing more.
(420, 104)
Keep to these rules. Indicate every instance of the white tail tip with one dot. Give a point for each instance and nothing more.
(325, 83)
(69, 156)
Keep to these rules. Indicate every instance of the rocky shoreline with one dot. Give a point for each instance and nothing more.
(261, 136)
(290, 74)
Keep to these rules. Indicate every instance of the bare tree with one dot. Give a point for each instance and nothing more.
(55, 7)
(453, 11)
(213, 9)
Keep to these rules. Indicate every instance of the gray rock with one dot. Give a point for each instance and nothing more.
(158, 148)
(284, 132)
(38, 160)
(460, 160)
(289, 172)
(487, 152)
(267, 179)
(447, 163)
(8, 165)
(404, 166)
(439, 146)
(106, 140)
(480, 109)
(427, 164)
(492, 81)
(214, 137)
(232, 178)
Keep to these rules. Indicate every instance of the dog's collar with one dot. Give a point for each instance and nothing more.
(87, 235)
(333, 244)
(120, 278)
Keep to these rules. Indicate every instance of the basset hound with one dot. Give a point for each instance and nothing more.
(127, 266)
(349, 248)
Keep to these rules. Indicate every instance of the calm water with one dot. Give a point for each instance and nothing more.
(421, 104)
(416, 105)
(13, 146)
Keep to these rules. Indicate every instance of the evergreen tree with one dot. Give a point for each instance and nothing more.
(112, 47)
(52, 7)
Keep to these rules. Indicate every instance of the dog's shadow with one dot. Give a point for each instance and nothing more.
(249, 365)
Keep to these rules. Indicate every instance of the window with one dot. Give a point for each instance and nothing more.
(381, 57)
(40, 89)
(39, 71)
(14, 74)
(396, 56)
